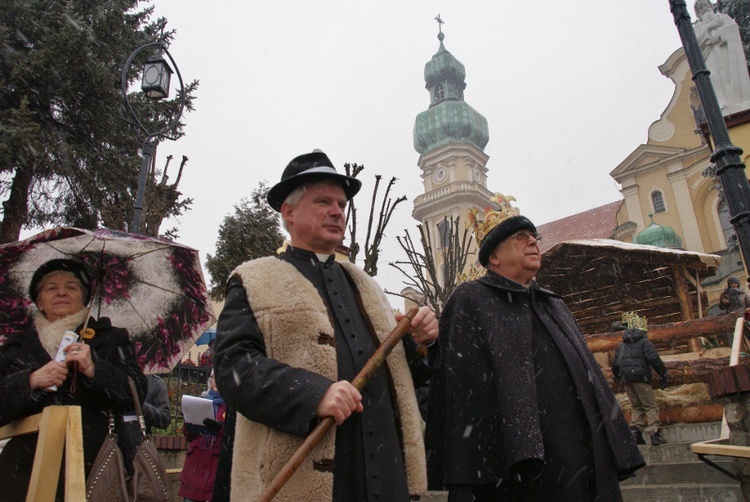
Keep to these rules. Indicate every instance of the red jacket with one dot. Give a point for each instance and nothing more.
(199, 472)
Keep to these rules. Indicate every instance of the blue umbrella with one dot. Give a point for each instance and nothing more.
(207, 336)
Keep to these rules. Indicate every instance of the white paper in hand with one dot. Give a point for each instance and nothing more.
(195, 409)
(68, 338)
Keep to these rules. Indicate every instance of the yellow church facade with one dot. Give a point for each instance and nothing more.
(667, 179)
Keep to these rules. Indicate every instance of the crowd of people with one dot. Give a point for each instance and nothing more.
(517, 409)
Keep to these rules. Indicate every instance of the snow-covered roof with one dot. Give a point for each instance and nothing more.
(709, 260)
(599, 279)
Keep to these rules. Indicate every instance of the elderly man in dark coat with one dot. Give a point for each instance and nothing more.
(520, 409)
(294, 331)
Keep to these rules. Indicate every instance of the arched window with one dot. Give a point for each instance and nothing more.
(439, 92)
(657, 198)
(444, 233)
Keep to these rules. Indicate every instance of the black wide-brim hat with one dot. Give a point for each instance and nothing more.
(502, 231)
(74, 267)
(307, 168)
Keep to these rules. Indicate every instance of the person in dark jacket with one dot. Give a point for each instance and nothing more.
(519, 409)
(733, 297)
(93, 375)
(223, 479)
(634, 358)
(295, 330)
(156, 413)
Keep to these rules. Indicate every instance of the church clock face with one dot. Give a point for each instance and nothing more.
(439, 175)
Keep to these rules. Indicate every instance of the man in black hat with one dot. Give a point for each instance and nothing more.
(519, 409)
(295, 329)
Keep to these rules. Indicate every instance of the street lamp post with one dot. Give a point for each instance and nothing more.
(726, 156)
(155, 84)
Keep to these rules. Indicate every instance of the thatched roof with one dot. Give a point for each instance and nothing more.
(601, 278)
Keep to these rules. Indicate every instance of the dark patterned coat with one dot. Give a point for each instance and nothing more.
(23, 354)
(498, 403)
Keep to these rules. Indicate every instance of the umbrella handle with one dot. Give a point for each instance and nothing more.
(91, 307)
(364, 375)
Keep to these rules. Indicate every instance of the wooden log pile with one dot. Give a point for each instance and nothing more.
(668, 334)
(680, 372)
(689, 403)
(688, 415)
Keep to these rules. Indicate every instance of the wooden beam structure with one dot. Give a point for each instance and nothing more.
(59, 429)
(599, 279)
(663, 335)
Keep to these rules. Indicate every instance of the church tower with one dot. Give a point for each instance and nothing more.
(450, 137)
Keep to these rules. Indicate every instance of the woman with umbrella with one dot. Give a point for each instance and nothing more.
(94, 373)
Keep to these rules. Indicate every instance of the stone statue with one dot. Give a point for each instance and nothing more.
(719, 38)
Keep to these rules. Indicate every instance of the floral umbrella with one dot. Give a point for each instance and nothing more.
(152, 287)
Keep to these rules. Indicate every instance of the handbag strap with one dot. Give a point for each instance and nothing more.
(111, 422)
(137, 404)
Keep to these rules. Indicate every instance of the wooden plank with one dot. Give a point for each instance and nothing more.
(75, 476)
(651, 307)
(721, 448)
(705, 326)
(45, 472)
(739, 331)
(682, 372)
(21, 426)
(681, 286)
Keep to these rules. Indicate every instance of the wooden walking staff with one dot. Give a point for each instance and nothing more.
(372, 364)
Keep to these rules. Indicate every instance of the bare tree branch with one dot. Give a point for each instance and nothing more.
(387, 206)
(423, 276)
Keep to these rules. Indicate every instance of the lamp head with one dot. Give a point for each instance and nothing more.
(156, 77)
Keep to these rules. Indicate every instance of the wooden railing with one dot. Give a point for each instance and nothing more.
(727, 382)
(59, 429)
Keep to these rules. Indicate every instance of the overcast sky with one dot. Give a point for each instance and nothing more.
(569, 89)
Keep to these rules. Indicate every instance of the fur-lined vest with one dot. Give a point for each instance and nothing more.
(292, 317)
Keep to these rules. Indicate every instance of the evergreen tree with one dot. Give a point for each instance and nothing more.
(251, 232)
(739, 10)
(67, 156)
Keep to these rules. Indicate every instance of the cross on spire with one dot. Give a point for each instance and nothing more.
(440, 23)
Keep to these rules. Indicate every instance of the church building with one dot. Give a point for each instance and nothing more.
(671, 197)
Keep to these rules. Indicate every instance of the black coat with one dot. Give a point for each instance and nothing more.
(494, 410)
(23, 354)
(732, 299)
(635, 357)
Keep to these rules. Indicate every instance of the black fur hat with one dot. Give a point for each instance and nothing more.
(502, 231)
(74, 267)
(305, 168)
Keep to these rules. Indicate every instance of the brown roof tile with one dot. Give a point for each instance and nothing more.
(597, 223)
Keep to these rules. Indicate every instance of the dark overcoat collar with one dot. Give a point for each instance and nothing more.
(497, 281)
